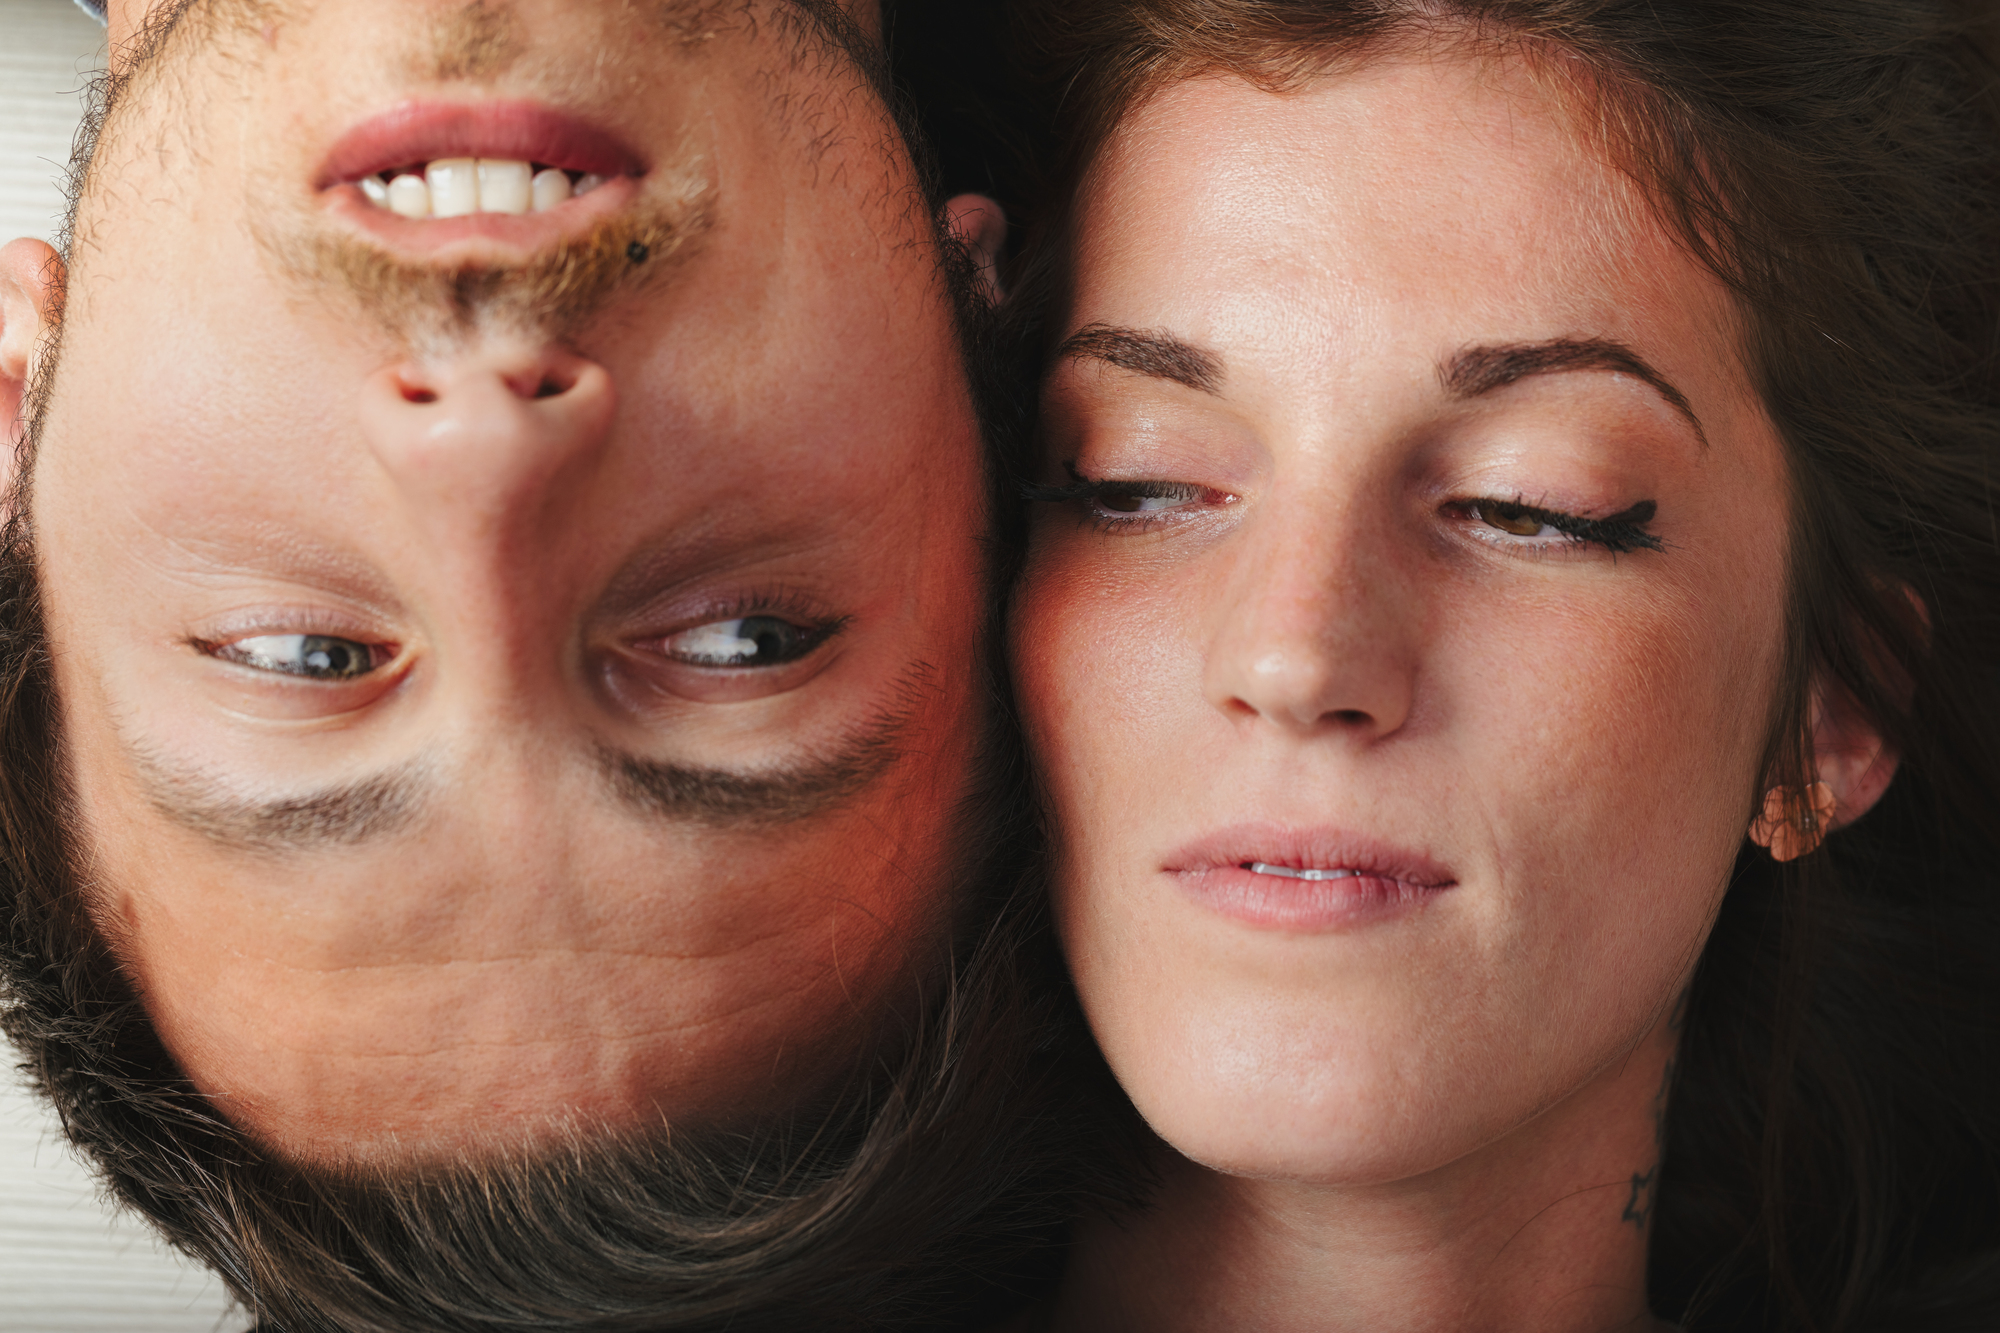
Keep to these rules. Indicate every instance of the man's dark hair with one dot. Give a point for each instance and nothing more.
(924, 1191)
(1831, 1157)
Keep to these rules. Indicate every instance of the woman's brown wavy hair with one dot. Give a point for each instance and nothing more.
(1830, 1154)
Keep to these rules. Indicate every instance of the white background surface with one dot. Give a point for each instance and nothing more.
(67, 1264)
(48, 51)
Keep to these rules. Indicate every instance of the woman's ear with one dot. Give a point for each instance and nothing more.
(1851, 768)
(1849, 754)
(31, 281)
(980, 225)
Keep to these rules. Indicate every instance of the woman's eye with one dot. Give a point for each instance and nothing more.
(1514, 518)
(750, 641)
(1148, 499)
(1621, 533)
(316, 656)
(1127, 505)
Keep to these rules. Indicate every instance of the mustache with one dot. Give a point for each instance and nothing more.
(430, 306)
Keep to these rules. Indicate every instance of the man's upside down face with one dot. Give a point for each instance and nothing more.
(508, 511)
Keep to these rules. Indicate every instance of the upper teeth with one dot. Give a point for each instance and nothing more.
(1265, 868)
(452, 187)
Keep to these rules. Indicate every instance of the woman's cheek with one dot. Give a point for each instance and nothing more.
(1092, 655)
(1612, 757)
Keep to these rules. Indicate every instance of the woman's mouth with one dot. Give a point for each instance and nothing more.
(1308, 873)
(1302, 879)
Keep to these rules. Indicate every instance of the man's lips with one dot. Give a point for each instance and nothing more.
(1291, 878)
(417, 132)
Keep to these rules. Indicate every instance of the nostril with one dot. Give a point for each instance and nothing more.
(414, 390)
(551, 383)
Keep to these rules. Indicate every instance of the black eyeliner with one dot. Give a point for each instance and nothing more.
(1080, 488)
(1620, 533)
(1056, 495)
(1086, 488)
(1623, 531)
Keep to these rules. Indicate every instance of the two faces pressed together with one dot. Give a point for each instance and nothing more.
(526, 671)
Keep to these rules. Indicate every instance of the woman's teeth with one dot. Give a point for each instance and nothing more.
(1288, 872)
(452, 187)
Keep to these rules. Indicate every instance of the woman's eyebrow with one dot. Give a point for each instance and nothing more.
(1477, 370)
(1147, 352)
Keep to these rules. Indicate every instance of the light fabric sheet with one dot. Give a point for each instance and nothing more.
(67, 1263)
(48, 53)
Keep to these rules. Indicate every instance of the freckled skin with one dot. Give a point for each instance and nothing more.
(1429, 1119)
(779, 418)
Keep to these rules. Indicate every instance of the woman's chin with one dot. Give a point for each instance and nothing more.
(1333, 1126)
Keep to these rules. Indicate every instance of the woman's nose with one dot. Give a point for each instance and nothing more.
(1314, 635)
(475, 436)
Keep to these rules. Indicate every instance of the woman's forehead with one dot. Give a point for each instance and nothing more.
(1414, 204)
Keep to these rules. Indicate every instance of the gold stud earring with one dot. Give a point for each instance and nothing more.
(1789, 826)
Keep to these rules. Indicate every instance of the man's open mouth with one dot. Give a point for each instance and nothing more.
(452, 187)
(451, 160)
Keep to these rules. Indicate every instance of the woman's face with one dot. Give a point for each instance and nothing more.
(1401, 687)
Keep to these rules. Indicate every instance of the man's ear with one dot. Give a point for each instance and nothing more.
(980, 225)
(1850, 755)
(31, 281)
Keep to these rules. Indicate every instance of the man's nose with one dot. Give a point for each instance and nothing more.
(1315, 633)
(474, 438)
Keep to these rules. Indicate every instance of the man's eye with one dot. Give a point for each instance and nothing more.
(317, 656)
(749, 641)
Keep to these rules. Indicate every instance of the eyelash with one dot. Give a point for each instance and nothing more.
(1620, 533)
(777, 604)
(1082, 489)
(280, 627)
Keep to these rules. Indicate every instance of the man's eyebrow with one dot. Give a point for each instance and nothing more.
(732, 798)
(1146, 352)
(1477, 370)
(341, 815)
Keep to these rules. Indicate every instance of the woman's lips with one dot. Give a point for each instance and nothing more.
(1288, 878)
